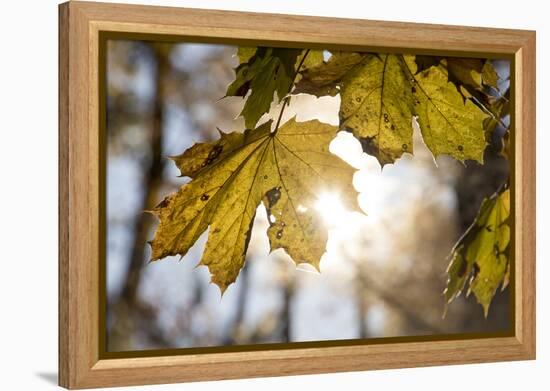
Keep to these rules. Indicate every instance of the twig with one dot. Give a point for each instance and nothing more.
(286, 100)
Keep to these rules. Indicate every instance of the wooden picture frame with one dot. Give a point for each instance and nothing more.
(81, 25)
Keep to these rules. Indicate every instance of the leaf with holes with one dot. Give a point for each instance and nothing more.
(285, 170)
(380, 95)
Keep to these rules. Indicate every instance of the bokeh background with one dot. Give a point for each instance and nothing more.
(382, 275)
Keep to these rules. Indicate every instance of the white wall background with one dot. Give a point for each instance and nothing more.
(28, 155)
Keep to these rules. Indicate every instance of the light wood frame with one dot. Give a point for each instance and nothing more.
(80, 24)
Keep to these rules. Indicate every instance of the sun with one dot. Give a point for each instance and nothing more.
(330, 207)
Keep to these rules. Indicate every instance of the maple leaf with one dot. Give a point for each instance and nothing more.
(473, 73)
(323, 79)
(309, 58)
(380, 95)
(477, 80)
(285, 170)
(489, 75)
(245, 53)
(481, 256)
(265, 72)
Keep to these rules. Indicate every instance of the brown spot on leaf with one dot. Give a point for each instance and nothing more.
(215, 152)
(273, 196)
(476, 270)
(369, 145)
(213, 155)
(164, 203)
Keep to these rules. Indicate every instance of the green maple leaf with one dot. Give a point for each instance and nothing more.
(380, 95)
(245, 53)
(265, 72)
(480, 258)
(286, 170)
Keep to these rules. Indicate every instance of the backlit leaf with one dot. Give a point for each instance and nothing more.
(268, 71)
(489, 75)
(380, 95)
(473, 73)
(309, 59)
(465, 71)
(245, 53)
(378, 106)
(286, 170)
(323, 79)
(481, 257)
(450, 125)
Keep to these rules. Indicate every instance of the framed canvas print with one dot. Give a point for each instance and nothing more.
(248, 195)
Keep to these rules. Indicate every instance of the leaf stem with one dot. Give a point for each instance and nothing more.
(286, 100)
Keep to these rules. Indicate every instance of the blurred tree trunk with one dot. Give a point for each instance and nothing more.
(286, 313)
(478, 182)
(360, 292)
(125, 314)
(412, 315)
(234, 334)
